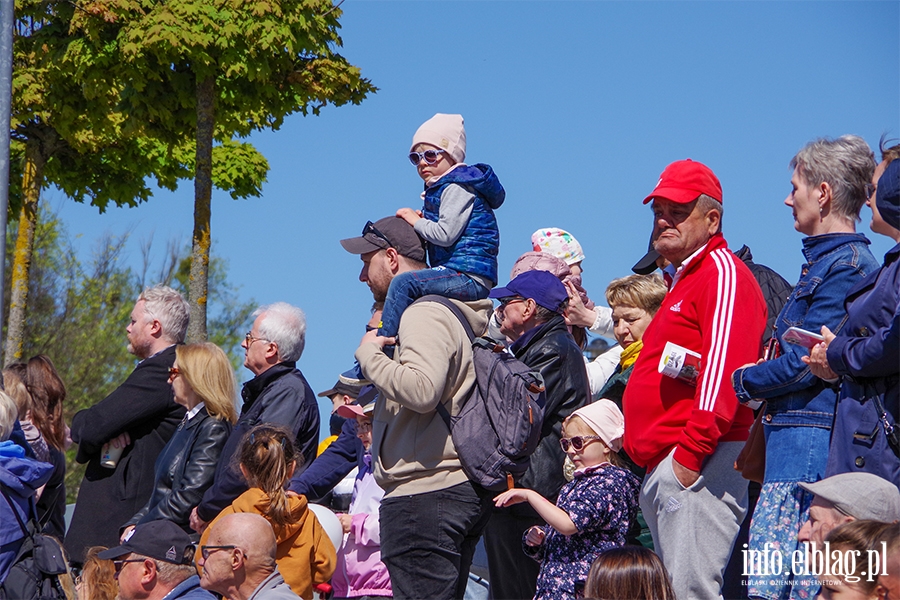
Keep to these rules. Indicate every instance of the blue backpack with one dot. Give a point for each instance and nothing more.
(499, 424)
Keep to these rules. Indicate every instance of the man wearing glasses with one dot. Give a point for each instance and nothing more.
(239, 561)
(431, 514)
(136, 419)
(531, 315)
(156, 561)
(278, 394)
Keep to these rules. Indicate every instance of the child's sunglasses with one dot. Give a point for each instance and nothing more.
(578, 442)
(430, 157)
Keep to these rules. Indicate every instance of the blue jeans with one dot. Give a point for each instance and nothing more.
(406, 287)
(428, 540)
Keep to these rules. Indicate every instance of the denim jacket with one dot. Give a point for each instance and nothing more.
(835, 262)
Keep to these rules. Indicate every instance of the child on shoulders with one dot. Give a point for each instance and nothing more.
(592, 513)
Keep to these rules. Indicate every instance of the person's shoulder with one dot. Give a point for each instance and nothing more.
(476, 312)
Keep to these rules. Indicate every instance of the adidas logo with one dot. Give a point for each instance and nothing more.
(676, 307)
(672, 505)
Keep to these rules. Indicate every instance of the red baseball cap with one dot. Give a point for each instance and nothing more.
(684, 180)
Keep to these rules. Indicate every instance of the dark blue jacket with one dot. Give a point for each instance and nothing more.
(867, 355)
(476, 250)
(331, 466)
(279, 396)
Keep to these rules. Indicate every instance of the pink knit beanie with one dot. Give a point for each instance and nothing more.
(446, 132)
(544, 261)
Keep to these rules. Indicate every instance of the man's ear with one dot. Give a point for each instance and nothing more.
(272, 350)
(149, 573)
(393, 258)
(155, 328)
(713, 221)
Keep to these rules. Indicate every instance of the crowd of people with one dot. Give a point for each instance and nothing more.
(739, 422)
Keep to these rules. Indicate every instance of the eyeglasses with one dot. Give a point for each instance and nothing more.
(578, 442)
(249, 339)
(504, 302)
(429, 156)
(370, 228)
(120, 564)
(205, 551)
(870, 190)
(174, 372)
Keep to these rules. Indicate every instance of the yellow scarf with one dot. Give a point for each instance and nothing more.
(630, 354)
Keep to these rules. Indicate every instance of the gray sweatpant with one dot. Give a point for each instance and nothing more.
(694, 528)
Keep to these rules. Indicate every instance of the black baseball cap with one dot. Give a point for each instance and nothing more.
(389, 232)
(162, 540)
(341, 388)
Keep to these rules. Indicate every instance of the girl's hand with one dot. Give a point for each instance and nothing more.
(535, 536)
(510, 497)
(346, 520)
(577, 313)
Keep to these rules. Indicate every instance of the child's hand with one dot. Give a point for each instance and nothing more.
(510, 497)
(535, 536)
(346, 520)
(409, 215)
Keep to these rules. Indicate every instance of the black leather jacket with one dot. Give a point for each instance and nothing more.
(550, 349)
(185, 469)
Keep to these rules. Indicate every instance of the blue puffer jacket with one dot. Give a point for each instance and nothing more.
(476, 250)
(800, 407)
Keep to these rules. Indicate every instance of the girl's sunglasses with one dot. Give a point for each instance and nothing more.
(578, 442)
(429, 156)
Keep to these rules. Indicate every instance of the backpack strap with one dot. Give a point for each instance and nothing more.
(444, 301)
(15, 512)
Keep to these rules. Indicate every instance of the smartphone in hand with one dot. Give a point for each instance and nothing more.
(802, 337)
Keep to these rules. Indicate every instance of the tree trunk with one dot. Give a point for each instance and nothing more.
(199, 281)
(32, 179)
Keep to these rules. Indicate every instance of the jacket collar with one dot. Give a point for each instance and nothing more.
(817, 246)
(253, 388)
(715, 242)
(538, 331)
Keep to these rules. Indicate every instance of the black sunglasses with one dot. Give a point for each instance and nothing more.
(370, 228)
(205, 551)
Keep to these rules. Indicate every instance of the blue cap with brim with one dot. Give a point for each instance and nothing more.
(543, 287)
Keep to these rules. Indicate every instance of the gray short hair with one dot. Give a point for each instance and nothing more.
(286, 326)
(707, 203)
(846, 164)
(169, 308)
(169, 573)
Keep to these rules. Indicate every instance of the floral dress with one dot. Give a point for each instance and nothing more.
(602, 501)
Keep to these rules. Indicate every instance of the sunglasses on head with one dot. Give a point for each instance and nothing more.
(370, 228)
(578, 442)
(429, 156)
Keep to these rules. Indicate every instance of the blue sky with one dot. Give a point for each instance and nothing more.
(578, 106)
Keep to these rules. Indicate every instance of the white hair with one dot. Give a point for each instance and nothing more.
(286, 326)
(9, 412)
(167, 306)
(846, 164)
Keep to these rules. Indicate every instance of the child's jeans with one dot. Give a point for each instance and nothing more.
(407, 287)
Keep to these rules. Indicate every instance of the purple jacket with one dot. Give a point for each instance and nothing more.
(360, 571)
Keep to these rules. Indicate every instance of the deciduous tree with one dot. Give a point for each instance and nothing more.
(215, 70)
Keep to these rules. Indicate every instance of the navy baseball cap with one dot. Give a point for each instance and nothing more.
(162, 540)
(543, 287)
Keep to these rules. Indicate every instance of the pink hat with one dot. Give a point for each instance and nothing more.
(684, 180)
(607, 421)
(559, 243)
(446, 132)
(351, 411)
(544, 261)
